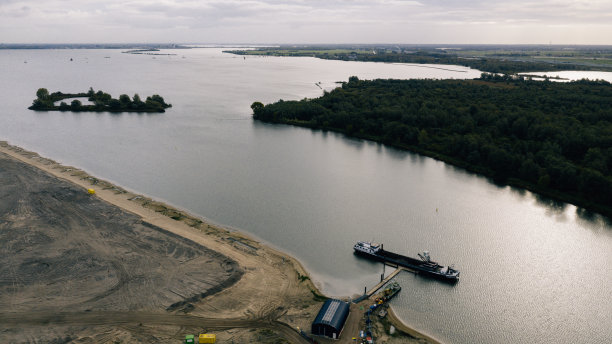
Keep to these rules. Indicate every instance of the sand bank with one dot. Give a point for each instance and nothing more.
(269, 290)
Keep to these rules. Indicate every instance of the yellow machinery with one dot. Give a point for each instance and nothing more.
(207, 338)
(91, 191)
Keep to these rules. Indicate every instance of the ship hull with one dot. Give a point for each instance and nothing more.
(407, 262)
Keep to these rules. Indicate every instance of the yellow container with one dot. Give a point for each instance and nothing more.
(207, 338)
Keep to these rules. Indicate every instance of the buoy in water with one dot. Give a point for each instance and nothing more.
(91, 191)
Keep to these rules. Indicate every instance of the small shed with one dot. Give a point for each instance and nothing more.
(331, 318)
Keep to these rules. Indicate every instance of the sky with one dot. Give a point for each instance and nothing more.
(307, 22)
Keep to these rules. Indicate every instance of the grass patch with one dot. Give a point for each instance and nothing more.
(318, 297)
(302, 278)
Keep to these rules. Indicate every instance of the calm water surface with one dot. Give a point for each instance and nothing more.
(532, 270)
(570, 75)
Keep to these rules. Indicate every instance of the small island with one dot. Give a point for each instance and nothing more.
(102, 102)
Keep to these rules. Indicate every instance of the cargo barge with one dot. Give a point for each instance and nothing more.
(423, 265)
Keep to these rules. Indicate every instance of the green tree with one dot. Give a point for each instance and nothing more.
(125, 100)
(101, 98)
(42, 94)
(37, 104)
(137, 103)
(257, 108)
(75, 105)
(114, 104)
(154, 105)
(423, 138)
(159, 99)
(595, 159)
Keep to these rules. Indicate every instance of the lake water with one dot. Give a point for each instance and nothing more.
(83, 100)
(532, 270)
(571, 75)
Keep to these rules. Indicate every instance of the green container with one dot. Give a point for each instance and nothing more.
(189, 339)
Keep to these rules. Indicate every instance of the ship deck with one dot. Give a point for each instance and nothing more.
(412, 264)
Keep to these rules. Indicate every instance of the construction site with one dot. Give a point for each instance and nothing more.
(88, 262)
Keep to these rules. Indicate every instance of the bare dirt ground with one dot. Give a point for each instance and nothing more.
(63, 250)
(120, 267)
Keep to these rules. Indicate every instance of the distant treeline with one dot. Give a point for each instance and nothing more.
(485, 64)
(551, 137)
(45, 101)
(520, 61)
(91, 46)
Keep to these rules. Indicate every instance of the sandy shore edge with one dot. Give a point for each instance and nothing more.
(401, 326)
(150, 210)
(176, 221)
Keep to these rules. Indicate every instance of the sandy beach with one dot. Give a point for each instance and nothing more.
(135, 269)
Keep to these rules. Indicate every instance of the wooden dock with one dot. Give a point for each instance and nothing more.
(387, 279)
(368, 293)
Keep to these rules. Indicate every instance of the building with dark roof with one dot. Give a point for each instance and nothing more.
(331, 318)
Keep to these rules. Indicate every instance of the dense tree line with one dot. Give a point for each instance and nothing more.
(510, 63)
(485, 64)
(102, 101)
(551, 137)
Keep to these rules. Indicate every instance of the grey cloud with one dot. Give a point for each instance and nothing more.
(398, 20)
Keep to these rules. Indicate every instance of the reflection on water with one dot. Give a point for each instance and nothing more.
(520, 193)
(554, 208)
(525, 261)
(593, 219)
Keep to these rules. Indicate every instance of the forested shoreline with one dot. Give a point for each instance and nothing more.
(486, 58)
(550, 137)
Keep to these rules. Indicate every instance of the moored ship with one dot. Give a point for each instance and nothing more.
(424, 264)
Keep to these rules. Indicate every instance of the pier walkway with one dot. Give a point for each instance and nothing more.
(384, 281)
(377, 287)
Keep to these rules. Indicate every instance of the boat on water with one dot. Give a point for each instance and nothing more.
(424, 264)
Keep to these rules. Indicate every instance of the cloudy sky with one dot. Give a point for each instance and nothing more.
(302, 21)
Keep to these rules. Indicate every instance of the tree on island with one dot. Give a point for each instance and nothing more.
(37, 104)
(155, 102)
(114, 104)
(101, 98)
(125, 100)
(42, 94)
(257, 107)
(42, 99)
(75, 105)
(137, 103)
